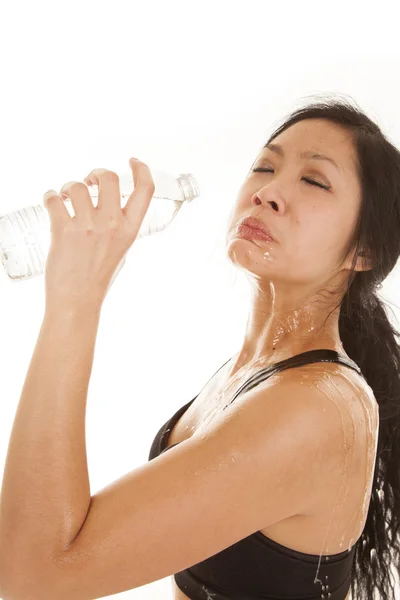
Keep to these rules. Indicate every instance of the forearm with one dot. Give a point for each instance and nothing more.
(45, 492)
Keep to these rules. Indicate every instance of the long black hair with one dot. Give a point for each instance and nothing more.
(366, 333)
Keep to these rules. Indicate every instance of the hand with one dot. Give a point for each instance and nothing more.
(88, 250)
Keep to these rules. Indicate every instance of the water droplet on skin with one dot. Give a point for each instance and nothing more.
(347, 412)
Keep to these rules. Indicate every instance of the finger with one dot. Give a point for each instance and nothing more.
(109, 194)
(56, 208)
(138, 202)
(80, 198)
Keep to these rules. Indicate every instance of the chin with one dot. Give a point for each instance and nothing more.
(249, 256)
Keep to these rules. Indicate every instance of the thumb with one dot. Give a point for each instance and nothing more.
(138, 202)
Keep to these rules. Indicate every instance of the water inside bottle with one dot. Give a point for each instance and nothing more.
(25, 235)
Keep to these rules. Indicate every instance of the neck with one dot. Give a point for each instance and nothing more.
(272, 336)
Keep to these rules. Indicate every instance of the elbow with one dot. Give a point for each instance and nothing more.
(26, 576)
(8, 572)
(7, 592)
(17, 583)
(22, 582)
(15, 592)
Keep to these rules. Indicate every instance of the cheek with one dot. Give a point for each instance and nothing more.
(311, 247)
(334, 230)
(319, 231)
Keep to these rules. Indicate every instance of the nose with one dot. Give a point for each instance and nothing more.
(257, 201)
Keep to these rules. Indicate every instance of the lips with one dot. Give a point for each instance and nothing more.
(256, 224)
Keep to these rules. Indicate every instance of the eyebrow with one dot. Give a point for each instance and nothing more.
(310, 155)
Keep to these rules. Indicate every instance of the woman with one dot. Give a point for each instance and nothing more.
(265, 485)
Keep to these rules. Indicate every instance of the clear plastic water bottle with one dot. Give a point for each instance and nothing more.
(25, 234)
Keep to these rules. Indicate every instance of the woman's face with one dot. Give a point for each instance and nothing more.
(311, 225)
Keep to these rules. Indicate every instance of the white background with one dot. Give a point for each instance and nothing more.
(185, 87)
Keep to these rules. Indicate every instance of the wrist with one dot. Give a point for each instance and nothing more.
(70, 312)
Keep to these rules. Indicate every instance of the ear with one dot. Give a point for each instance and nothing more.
(364, 262)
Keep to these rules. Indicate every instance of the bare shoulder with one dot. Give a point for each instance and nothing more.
(352, 403)
(341, 382)
(343, 404)
(346, 393)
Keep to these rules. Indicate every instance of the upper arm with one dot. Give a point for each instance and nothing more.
(258, 463)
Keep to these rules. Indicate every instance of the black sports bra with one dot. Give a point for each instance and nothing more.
(256, 567)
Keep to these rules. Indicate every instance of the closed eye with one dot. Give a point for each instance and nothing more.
(309, 181)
